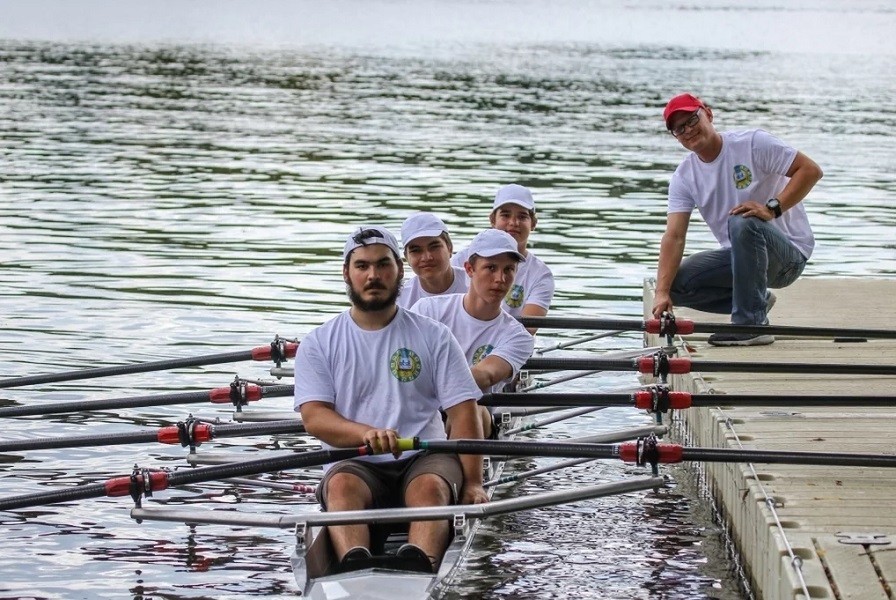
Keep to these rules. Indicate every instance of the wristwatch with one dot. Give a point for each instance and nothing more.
(774, 205)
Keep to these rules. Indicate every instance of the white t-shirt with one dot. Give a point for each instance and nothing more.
(412, 291)
(396, 377)
(533, 283)
(502, 336)
(753, 165)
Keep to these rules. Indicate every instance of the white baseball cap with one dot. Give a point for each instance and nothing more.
(421, 224)
(514, 193)
(368, 235)
(492, 242)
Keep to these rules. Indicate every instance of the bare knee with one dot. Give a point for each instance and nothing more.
(348, 492)
(428, 489)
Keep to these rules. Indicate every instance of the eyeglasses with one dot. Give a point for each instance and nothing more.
(364, 235)
(691, 122)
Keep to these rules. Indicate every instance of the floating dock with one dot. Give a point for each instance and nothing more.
(803, 531)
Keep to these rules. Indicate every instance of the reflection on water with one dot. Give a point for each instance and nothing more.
(172, 200)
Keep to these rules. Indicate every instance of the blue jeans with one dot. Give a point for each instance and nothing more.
(736, 280)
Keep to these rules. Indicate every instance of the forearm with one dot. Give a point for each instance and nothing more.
(332, 428)
(671, 251)
(804, 174)
(490, 370)
(469, 428)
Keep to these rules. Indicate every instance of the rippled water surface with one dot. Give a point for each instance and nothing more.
(163, 199)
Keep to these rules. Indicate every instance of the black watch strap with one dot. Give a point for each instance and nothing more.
(774, 205)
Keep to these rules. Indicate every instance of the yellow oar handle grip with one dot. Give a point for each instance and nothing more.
(408, 444)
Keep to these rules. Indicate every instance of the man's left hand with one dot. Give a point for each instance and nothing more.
(473, 494)
(751, 208)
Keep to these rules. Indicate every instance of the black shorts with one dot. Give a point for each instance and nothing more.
(388, 480)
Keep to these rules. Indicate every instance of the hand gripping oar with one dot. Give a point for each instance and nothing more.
(239, 393)
(661, 399)
(648, 451)
(663, 365)
(190, 432)
(144, 482)
(278, 351)
(671, 326)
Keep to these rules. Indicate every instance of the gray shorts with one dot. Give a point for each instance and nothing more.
(389, 480)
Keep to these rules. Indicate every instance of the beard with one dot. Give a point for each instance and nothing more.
(377, 304)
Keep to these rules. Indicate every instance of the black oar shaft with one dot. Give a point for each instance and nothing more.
(556, 399)
(686, 326)
(165, 435)
(278, 350)
(837, 459)
(272, 391)
(161, 365)
(643, 399)
(683, 365)
(663, 453)
(158, 480)
(784, 401)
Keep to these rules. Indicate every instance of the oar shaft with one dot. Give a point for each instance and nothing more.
(555, 399)
(160, 480)
(642, 452)
(166, 435)
(81, 492)
(837, 459)
(683, 365)
(161, 365)
(686, 326)
(216, 395)
(284, 350)
(677, 400)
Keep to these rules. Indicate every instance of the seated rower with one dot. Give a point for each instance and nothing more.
(513, 211)
(372, 374)
(428, 248)
(496, 345)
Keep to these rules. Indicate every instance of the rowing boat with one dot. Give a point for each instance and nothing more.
(386, 575)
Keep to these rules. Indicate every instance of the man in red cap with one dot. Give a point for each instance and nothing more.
(748, 186)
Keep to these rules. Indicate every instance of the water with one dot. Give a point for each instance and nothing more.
(162, 196)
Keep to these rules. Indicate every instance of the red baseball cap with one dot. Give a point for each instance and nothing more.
(681, 102)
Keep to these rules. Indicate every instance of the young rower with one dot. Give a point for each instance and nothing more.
(513, 211)
(375, 373)
(428, 248)
(495, 343)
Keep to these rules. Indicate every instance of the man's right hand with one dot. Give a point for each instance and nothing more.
(662, 302)
(382, 441)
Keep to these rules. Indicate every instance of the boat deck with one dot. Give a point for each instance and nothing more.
(826, 531)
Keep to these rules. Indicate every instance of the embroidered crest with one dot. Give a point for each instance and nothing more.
(514, 297)
(405, 365)
(482, 352)
(743, 177)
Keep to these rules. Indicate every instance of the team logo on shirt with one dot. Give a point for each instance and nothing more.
(405, 365)
(514, 297)
(743, 177)
(482, 352)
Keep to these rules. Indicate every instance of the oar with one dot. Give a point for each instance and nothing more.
(239, 393)
(555, 419)
(686, 326)
(600, 438)
(278, 351)
(654, 365)
(301, 488)
(659, 399)
(142, 481)
(575, 342)
(538, 385)
(187, 433)
(643, 453)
